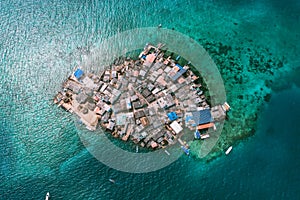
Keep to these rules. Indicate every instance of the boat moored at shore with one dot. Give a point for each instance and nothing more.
(228, 150)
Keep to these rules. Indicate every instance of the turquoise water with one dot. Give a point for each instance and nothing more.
(40, 150)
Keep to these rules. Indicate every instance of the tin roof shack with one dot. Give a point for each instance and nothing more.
(137, 104)
(81, 98)
(134, 98)
(73, 86)
(166, 102)
(155, 121)
(150, 98)
(218, 113)
(146, 93)
(139, 114)
(89, 83)
(176, 72)
(120, 106)
(105, 118)
(128, 104)
(106, 76)
(158, 134)
(111, 124)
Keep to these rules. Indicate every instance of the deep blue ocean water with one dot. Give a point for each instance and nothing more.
(40, 150)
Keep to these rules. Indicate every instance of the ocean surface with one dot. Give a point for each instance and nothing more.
(40, 150)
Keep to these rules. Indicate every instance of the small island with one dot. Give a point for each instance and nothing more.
(151, 100)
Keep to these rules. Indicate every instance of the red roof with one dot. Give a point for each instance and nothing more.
(151, 57)
(204, 126)
(153, 144)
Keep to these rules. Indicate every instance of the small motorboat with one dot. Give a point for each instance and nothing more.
(47, 196)
(112, 181)
(204, 136)
(197, 134)
(167, 152)
(228, 150)
(185, 150)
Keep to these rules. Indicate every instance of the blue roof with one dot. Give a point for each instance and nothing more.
(172, 116)
(78, 73)
(202, 116)
(180, 67)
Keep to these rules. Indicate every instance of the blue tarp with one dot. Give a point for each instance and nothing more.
(172, 116)
(78, 73)
(202, 116)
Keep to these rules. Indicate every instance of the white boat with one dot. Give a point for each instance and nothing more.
(47, 196)
(112, 181)
(136, 149)
(204, 136)
(167, 152)
(228, 150)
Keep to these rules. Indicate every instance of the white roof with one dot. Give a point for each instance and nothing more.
(104, 86)
(176, 127)
(114, 74)
(142, 73)
(106, 107)
(168, 69)
(156, 90)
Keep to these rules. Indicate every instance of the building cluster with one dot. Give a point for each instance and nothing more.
(151, 100)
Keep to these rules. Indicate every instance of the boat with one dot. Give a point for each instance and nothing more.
(167, 152)
(204, 136)
(197, 134)
(228, 150)
(226, 107)
(185, 150)
(112, 181)
(136, 149)
(47, 196)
